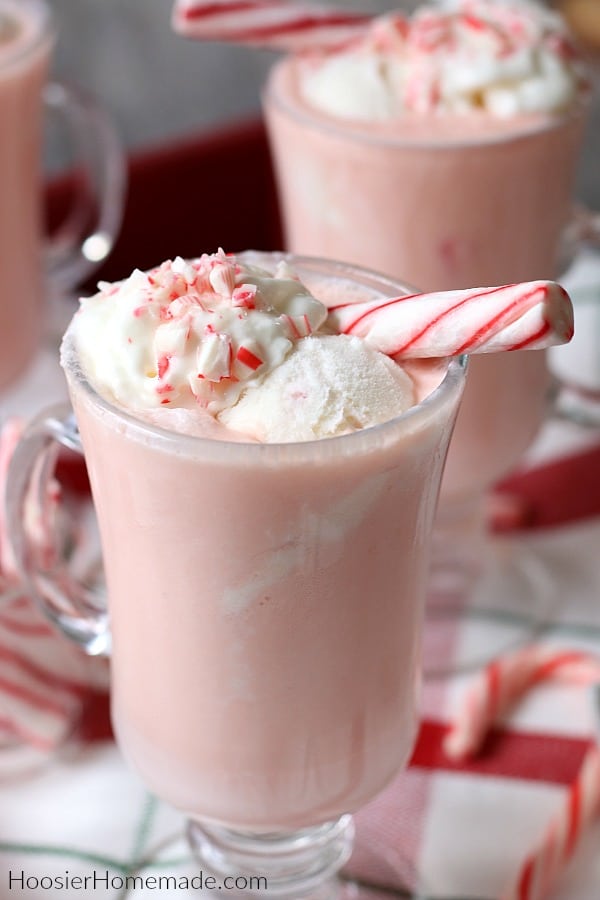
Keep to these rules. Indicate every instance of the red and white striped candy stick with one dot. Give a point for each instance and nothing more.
(495, 689)
(581, 806)
(532, 315)
(503, 682)
(273, 24)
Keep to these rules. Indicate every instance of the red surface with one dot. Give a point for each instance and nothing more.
(190, 197)
(559, 492)
(549, 758)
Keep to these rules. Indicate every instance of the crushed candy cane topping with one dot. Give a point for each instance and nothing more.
(192, 332)
(505, 57)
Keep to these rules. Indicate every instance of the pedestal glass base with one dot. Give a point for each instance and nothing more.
(301, 863)
(312, 864)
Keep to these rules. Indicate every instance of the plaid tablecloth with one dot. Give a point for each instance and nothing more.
(443, 830)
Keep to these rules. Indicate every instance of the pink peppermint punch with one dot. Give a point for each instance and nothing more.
(532, 315)
(274, 24)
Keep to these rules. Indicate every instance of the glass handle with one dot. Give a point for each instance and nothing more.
(577, 404)
(48, 535)
(576, 366)
(87, 235)
(584, 228)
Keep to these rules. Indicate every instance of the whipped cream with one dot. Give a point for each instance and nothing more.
(192, 332)
(247, 346)
(503, 57)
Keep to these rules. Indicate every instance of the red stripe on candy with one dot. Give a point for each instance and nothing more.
(247, 358)
(494, 681)
(557, 662)
(280, 29)
(521, 300)
(369, 312)
(525, 881)
(431, 324)
(574, 820)
(532, 338)
(206, 10)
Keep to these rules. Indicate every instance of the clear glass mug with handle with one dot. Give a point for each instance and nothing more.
(274, 591)
(475, 204)
(33, 271)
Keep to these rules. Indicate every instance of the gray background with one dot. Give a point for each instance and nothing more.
(159, 86)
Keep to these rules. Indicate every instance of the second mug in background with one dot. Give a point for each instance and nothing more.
(33, 270)
(445, 198)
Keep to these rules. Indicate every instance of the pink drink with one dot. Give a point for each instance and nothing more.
(266, 601)
(26, 39)
(443, 202)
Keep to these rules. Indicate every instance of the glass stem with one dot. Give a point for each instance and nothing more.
(300, 863)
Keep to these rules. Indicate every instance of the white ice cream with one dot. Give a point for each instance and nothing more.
(505, 57)
(327, 385)
(219, 336)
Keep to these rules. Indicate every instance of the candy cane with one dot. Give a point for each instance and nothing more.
(504, 681)
(532, 315)
(495, 689)
(274, 24)
(581, 806)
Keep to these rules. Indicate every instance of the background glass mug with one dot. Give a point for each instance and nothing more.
(29, 271)
(272, 590)
(443, 210)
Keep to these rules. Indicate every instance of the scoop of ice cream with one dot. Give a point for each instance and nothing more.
(192, 333)
(327, 385)
(506, 57)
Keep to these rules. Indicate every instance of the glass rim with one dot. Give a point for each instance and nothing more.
(248, 451)
(44, 30)
(362, 133)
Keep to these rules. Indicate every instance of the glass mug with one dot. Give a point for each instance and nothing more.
(446, 212)
(272, 590)
(28, 269)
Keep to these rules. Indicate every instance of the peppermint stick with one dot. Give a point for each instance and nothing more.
(272, 24)
(581, 806)
(494, 690)
(503, 682)
(532, 315)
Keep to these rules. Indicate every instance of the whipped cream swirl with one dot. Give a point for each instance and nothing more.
(192, 333)
(504, 57)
